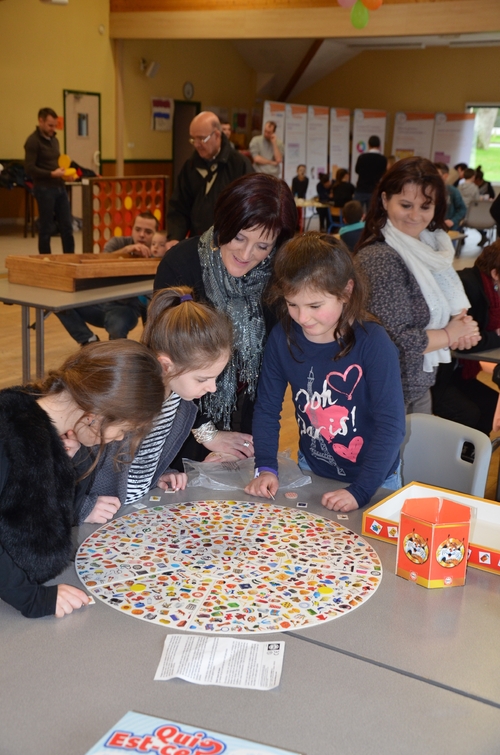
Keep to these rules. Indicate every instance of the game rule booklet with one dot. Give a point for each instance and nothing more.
(136, 732)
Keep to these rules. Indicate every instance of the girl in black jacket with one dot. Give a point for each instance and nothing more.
(100, 393)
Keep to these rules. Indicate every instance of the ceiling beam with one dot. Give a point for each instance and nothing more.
(391, 20)
(300, 70)
(134, 6)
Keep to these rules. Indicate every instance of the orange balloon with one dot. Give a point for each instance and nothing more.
(372, 4)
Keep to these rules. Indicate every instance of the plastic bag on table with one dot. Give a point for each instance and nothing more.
(237, 474)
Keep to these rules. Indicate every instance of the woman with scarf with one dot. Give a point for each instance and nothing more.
(407, 257)
(229, 266)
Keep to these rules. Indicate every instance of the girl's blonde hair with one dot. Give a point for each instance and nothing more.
(191, 334)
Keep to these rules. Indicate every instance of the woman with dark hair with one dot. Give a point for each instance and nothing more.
(457, 395)
(342, 190)
(414, 290)
(229, 266)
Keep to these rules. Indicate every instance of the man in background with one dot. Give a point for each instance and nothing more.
(42, 165)
(267, 151)
(212, 166)
(370, 167)
(118, 317)
(227, 130)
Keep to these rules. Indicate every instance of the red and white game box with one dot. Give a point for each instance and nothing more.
(381, 521)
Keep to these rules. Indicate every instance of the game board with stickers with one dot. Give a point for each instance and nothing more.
(228, 566)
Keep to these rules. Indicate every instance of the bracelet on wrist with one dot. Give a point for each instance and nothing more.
(205, 433)
(448, 337)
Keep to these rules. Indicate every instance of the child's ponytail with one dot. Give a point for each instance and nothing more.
(191, 334)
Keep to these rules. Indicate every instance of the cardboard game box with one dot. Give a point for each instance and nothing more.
(136, 732)
(381, 521)
(433, 542)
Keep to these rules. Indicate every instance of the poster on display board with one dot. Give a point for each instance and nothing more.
(453, 138)
(317, 145)
(295, 140)
(275, 111)
(413, 134)
(366, 123)
(340, 122)
(162, 112)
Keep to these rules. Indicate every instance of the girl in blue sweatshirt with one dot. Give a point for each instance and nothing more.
(344, 373)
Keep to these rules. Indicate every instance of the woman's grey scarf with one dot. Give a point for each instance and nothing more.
(241, 299)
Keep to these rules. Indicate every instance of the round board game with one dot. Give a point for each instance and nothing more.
(228, 566)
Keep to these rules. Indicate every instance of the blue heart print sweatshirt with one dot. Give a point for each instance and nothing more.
(350, 412)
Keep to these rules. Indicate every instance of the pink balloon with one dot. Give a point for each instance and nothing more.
(346, 3)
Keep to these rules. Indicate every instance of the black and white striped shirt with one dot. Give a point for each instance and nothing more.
(144, 465)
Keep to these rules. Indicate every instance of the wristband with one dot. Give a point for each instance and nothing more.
(448, 336)
(259, 470)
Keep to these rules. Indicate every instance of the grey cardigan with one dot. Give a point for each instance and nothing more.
(111, 479)
(394, 296)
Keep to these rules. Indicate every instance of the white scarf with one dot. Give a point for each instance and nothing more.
(430, 259)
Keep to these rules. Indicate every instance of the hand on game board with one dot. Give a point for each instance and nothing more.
(339, 500)
(69, 598)
(265, 485)
(70, 443)
(173, 481)
(105, 508)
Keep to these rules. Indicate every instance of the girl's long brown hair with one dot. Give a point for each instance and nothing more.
(119, 381)
(322, 263)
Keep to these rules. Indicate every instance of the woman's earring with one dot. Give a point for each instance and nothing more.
(495, 287)
(91, 421)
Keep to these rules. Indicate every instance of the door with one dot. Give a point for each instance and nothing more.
(82, 128)
(184, 112)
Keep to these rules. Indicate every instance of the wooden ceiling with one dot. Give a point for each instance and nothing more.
(121, 6)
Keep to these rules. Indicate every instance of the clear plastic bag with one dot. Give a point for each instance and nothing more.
(236, 475)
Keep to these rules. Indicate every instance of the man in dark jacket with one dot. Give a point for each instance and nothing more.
(370, 167)
(42, 165)
(213, 165)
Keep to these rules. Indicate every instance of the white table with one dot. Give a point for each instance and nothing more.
(411, 669)
(55, 301)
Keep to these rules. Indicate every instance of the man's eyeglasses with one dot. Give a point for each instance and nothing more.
(200, 139)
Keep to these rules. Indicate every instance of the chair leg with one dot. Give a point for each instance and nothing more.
(494, 445)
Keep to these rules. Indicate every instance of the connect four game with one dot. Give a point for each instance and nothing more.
(228, 566)
(111, 204)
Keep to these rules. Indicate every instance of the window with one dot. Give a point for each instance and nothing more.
(486, 148)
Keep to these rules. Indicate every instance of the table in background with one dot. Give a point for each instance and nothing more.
(409, 665)
(51, 300)
(335, 212)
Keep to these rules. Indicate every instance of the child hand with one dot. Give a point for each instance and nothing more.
(173, 481)
(339, 500)
(70, 443)
(105, 508)
(69, 598)
(264, 485)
